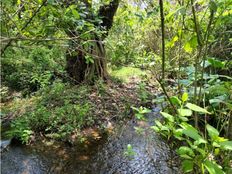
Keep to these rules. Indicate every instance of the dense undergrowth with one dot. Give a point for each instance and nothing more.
(188, 75)
(62, 111)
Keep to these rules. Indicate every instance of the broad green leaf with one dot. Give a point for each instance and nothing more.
(227, 145)
(196, 108)
(213, 133)
(175, 100)
(165, 128)
(200, 141)
(201, 151)
(221, 139)
(187, 166)
(215, 144)
(216, 63)
(185, 156)
(178, 133)
(217, 151)
(167, 116)
(188, 48)
(155, 128)
(185, 150)
(185, 112)
(191, 132)
(184, 97)
(75, 14)
(213, 168)
(158, 123)
(183, 118)
(215, 100)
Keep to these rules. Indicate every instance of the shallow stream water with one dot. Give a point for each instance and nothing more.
(104, 156)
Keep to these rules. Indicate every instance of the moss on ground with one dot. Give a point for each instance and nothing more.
(126, 73)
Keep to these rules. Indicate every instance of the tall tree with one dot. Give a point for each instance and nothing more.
(86, 64)
(85, 27)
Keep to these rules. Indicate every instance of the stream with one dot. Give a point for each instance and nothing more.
(151, 155)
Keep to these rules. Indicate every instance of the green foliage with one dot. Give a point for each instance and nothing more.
(140, 112)
(56, 112)
(32, 69)
(129, 151)
(199, 61)
(20, 130)
(199, 153)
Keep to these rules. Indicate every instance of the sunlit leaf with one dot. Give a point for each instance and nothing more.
(158, 123)
(216, 63)
(196, 108)
(175, 100)
(188, 48)
(192, 132)
(184, 97)
(227, 145)
(167, 116)
(75, 14)
(187, 166)
(185, 150)
(213, 133)
(155, 128)
(213, 168)
(183, 118)
(193, 42)
(185, 112)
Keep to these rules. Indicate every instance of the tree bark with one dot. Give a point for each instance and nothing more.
(77, 67)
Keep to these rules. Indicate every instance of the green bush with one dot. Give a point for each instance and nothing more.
(57, 112)
(199, 152)
(30, 70)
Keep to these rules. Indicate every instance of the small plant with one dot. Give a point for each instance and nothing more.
(129, 151)
(140, 112)
(143, 93)
(199, 153)
(20, 130)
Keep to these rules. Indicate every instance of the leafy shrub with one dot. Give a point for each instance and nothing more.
(56, 112)
(210, 152)
(30, 70)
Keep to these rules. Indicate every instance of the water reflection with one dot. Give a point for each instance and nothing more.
(104, 155)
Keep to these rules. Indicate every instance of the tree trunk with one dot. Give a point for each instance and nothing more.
(81, 71)
(78, 68)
